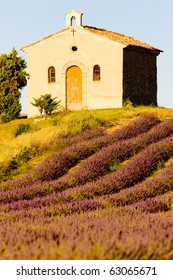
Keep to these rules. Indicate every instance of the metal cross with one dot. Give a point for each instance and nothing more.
(73, 30)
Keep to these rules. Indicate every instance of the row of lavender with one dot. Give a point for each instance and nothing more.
(100, 163)
(94, 167)
(58, 164)
(52, 219)
(135, 170)
(154, 195)
(122, 233)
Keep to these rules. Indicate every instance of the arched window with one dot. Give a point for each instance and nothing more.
(73, 21)
(51, 75)
(96, 72)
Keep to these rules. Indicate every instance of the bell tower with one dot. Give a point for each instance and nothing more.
(74, 18)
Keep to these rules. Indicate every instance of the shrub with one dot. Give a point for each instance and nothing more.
(46, 104)
(22, 128)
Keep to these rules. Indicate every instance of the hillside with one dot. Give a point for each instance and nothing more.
(88, 185)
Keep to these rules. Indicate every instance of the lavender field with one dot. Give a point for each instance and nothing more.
(103, 195)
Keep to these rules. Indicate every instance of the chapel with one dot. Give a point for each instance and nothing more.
(91, 68)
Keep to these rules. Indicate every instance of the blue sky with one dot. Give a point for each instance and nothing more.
(151, 21)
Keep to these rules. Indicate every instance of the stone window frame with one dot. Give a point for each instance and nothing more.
(96, 73)
(51, 74)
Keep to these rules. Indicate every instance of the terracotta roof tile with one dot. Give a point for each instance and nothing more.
(118, 37)
(121, 38)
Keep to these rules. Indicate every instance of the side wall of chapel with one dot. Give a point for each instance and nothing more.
(139, 77)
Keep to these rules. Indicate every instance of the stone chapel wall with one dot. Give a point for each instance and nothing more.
(139, 77)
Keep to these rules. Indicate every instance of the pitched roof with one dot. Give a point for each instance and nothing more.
(121, 38)
(45, 38)
(118, 37)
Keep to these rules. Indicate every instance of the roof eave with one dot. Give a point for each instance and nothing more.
(153, 51)
(146, 47)
(44, 38)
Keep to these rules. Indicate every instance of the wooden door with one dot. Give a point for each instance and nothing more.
(74, 88)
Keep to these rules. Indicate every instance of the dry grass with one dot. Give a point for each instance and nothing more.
(32, 147)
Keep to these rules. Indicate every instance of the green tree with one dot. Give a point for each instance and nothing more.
(13, 78)
(46, 104)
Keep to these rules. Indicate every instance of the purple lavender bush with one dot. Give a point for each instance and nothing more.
(101, 162)
(58, 164)
(155, 186)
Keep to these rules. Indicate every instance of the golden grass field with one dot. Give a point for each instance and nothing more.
(21, 153)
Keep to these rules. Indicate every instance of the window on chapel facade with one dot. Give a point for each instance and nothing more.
(96, 73)
(51, 75)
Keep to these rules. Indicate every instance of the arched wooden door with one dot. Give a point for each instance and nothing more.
(74, 88)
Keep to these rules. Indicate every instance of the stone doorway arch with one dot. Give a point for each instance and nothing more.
(70, 70)
(74, 88)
